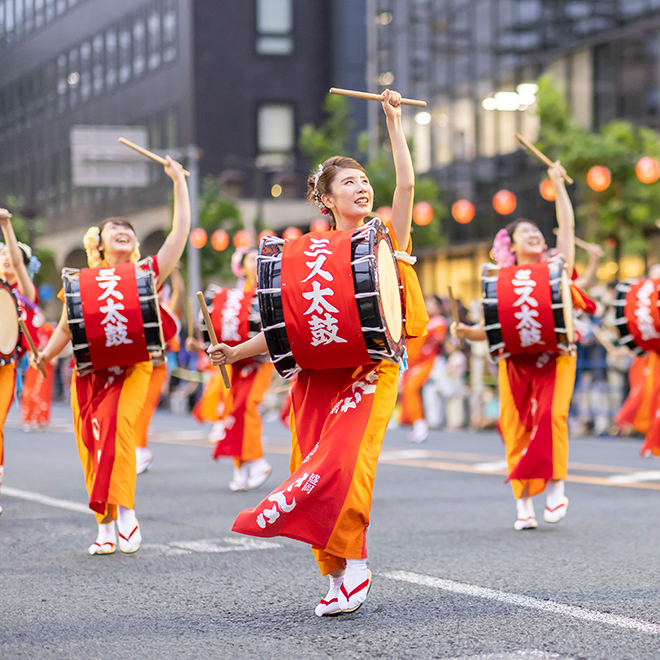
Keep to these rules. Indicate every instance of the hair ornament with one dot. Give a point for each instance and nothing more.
(236, 259)
(502, 249)
(91, 242)
(317, 196)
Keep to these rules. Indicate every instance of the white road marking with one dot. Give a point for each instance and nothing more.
(44, 499)
(635, 477)
(229, 544)
(532, 654)
(526, 601)
(404, 454)
(495, 466)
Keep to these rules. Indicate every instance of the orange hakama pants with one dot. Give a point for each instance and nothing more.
(241, 417)
(37, 397)
(7, 389)
(639, 408)
(338, 422)
(211, 405)
(106, 407)
(535, 395)
(158, 376)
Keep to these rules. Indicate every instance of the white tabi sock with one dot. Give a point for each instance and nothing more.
(554, 494)
(525, 508)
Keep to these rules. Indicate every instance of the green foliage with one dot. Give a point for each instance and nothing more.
(332, 139)
(216, 212)
(628, 209)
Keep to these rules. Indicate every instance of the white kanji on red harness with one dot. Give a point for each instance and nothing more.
(645, 322)
(317, 295)
(529, 329)
(108, 281)
(324, 330)
(116, 334)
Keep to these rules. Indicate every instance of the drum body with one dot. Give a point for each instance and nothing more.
(527, 309)
(10, 330)
(375, 287)
(234, 305)
(149, 311)
(637, 312)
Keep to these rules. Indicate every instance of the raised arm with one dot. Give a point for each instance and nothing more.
(175, 243)
(404, 193)
(565, 216)
(58, 340)
(590, 278)
(178, 290)
(25, 285)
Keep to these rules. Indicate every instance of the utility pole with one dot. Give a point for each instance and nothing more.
(194, 265)
(372, 77)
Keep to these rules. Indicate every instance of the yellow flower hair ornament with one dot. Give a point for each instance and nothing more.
(91, 243)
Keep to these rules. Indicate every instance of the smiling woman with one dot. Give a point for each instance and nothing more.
(109, 394)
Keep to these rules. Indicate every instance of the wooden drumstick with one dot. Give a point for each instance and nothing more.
(212, 335)
(30, 341)
(454, 313)
(146, 152)
(578, 241)
(191, 328)
(539, 154)
(373, 97)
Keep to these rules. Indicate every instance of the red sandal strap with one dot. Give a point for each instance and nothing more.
(128, 538)
(356, 590)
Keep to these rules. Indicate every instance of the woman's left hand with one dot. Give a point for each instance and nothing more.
(174, 170)
(392, 104)
(556, 172)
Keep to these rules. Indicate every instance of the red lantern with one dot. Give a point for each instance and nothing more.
(599, 178)
(266, 232)
(384, 213)
(610, 243)
(548, 190)
(648, 170)
(320, 224)
(219, 240)
(291, 233)
(504, 202)
(422, 213)
(463, 211)
(242, 239)
(198, 238)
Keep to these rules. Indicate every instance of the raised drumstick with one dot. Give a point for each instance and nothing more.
(539, 154)
(30, 341)
(146, 152)
(212, 335)
(373, 97)
(578, 241)
(454, 313)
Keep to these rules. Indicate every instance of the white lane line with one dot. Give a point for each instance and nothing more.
(495, 466)
(44, 499)
(526, 601)
(635, 477)
(227, 545)
(404, 454)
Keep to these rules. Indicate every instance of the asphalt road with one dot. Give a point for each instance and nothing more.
(452, 579)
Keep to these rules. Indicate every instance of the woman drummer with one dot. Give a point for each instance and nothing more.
(122, 391)
(535, 389)
(17, 267)
(341, 189)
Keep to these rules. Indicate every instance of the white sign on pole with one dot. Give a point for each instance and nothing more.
(99, 160)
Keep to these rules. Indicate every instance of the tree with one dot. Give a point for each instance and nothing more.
(332, 138)
(628, 209)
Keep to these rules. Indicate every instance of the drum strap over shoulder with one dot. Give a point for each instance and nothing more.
(405, 257)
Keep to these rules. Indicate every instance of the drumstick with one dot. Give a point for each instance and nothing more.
(146, 152)
(33, 348)
(211, 331)
(578, 241)
(454, 313)
(539, 154)
(373, 97)
(191, 329)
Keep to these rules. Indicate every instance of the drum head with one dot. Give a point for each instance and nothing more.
(568, 305)
(389, 290)
(9, 327)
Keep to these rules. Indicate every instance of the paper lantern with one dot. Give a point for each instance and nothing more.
(548, 190)
(291, 233)
(422, 213)
(266, 232)
(384, 213)
(220, 240)
(462, 211)
(242, 239)
(198, 238)
(610, 243)
(599, 178)
(648, 170)
(504, 202)
(320, 224)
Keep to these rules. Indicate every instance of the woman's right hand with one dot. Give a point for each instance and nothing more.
(222, 354)
(458, 330)
(40, 361)
(193, 345)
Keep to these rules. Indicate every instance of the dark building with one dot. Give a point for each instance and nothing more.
(237, 79)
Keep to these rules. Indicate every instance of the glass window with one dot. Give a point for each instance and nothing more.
(139, 47)
(124, 54)
(29, 16)
(39, 17)
(85, 71)
(169, 30)
(18, 18)
(61, 7)
(274, 27)
(275, 128)
(50, 10)
(110, 58)
(62, 85)
(73, 77)
(9, 20)
(97, 71)
(171, 132)
(2, 25)
(51, 88)
(154, 39)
